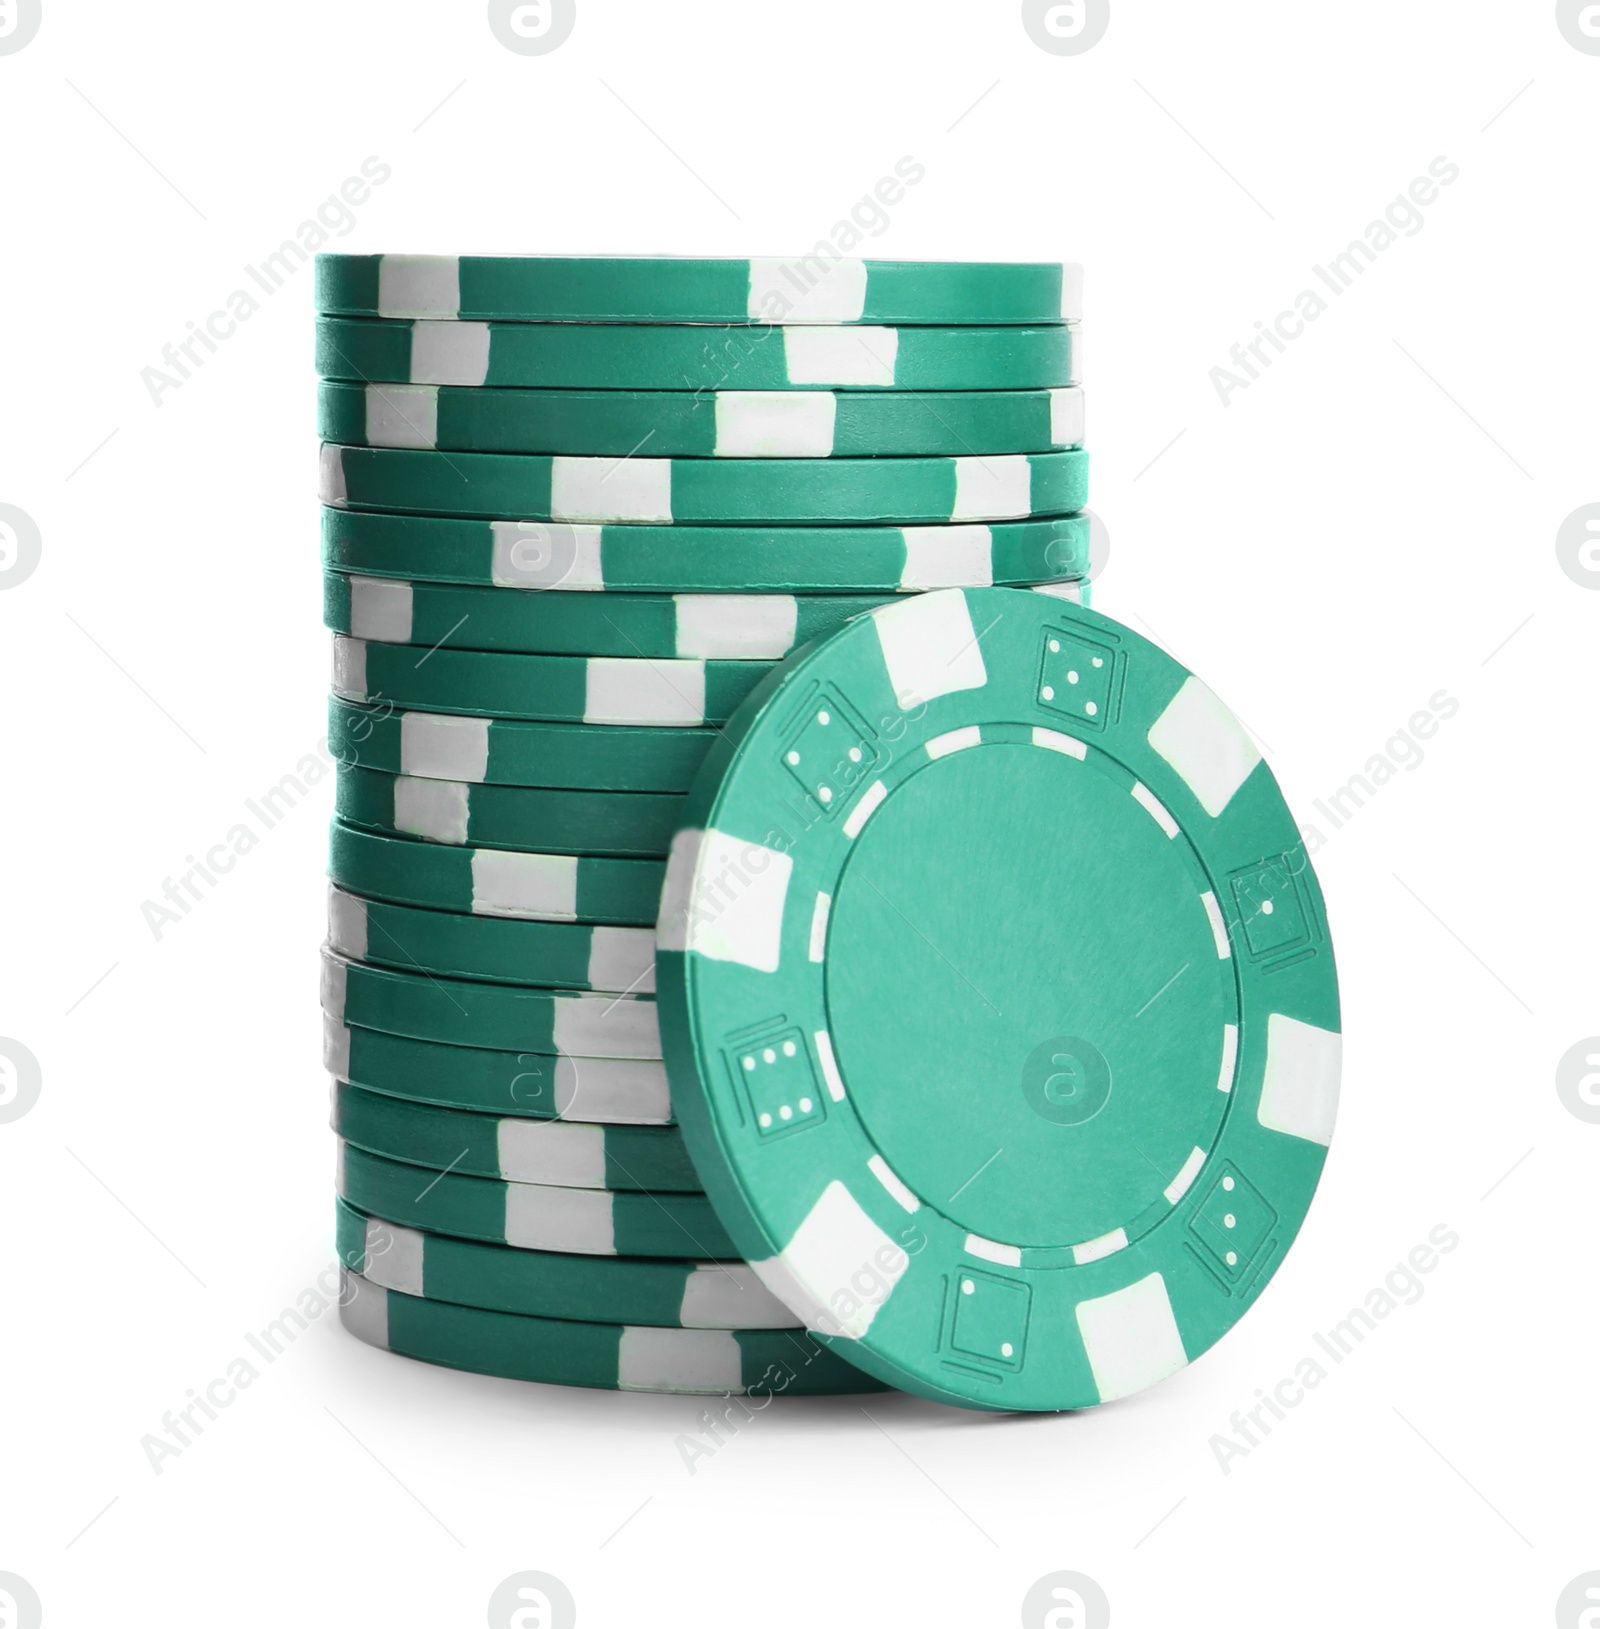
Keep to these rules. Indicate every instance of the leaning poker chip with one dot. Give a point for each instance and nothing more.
(611, 1357)
(661, 491)
(597, 1091)
(580, 357)
(692, 627)
(1019, 1095)
(565, 955)
(808, 288)
(501, 1017)
(558, 689)
(705, 559)
(740, 423)
(534, 887)
(531, 1216)
(552, 1153)
(539, 819)
(514, 752)
(537, 1283)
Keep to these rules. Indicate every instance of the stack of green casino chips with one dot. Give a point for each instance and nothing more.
(781, 940)
(575, 512)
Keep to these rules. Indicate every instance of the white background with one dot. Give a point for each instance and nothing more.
(1371, 522)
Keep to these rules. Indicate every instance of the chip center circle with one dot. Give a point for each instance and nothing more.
(1025, 995)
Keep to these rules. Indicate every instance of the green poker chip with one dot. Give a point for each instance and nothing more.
(514, 752)
(531, 886)
(741, 423)
(705, 559)
(500, 1017)
(538, 819)
(808, 288)
(557, 689)
(1018, 1096)
(515, 1148)
(660, 491)
(690, 627)
(691, 360)
(565, 955)
(612, 1357)
(538, 1283)
(533, 1216)
(597, 1091)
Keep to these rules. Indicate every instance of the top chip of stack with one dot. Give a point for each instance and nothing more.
(669, 289)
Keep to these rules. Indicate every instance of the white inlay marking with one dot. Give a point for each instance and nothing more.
(902, 1195)
(819, 926)
(830, 1065)
(941, 746)
(1156, 809)
(1184, 1180)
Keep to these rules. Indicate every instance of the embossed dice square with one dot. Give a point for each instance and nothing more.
(1075, 677)
(830, 752)
(1271, 915)
(1233, 1222)
(991, 1318)
(780, 1083)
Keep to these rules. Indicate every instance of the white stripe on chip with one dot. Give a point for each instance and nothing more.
(993, 488)
(775, 423)
(735, 627)
(1300, 1084)
(807, 289)
(947, 557)
(611, 489)
(441, 811)
(394, 1257)
(441, 747)
(724, 899)
(690, 1361)
(574, 1219)
(1131, 1337)
(450, 353)
(860, 357)
(535, 554)
(419, 285)
(402, 416)
(561, 1153)
(898, 1191)
(930, 647)
(1184, 1180)
(1205, 744)
(380, 609)
(542, 887)
(831, 1249)
(631, 690)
